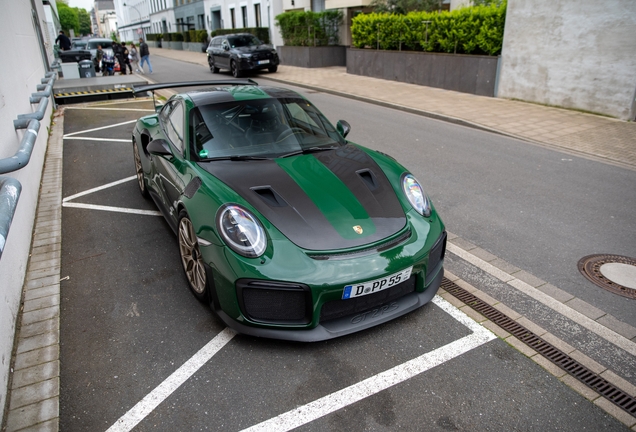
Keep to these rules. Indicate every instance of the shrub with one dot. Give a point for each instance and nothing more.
(310, 28)
(470, 30)
(154, 36)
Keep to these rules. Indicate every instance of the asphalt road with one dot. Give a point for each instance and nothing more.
(128, 321)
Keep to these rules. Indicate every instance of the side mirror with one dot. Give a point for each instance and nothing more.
(343, 128)
(159, 147)
(226, 47)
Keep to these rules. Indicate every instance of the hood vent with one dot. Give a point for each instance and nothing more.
(270, 196)
(368, 178)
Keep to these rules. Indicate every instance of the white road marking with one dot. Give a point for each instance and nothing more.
(106, 186)
(597, 328)
(129, 141)
(100, 128)
(112, 209)
(145, 406)
(112, 109)
(375, 384)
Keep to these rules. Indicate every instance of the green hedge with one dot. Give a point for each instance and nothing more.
(154, 36)
(260, 32)
(469, 30)
(310, 28)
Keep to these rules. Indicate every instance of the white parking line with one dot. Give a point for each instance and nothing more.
(100, 128)
(375, 384)
(323, 406)
(147, 405)
(112, 109)
(99, 139)
(111, 209)
(106, 186)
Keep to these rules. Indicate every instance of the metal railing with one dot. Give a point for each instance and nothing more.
(11, 188)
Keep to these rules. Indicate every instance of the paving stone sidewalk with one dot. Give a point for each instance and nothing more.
(581, 133)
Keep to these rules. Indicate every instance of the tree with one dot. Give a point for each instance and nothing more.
(68, 17)
(85, 27)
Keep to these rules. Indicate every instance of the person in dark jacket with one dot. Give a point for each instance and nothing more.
(64, 41)
(144, 52)
(119, 53)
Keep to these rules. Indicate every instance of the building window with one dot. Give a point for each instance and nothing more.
(257, 14)
(233, 18)
(244, 14)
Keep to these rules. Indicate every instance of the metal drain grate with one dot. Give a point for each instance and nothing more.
(546, 349)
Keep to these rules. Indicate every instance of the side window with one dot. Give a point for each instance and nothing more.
(174, 126)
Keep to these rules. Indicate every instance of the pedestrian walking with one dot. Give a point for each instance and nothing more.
(126, 58)
(64, 41)
(134, 56)
(119, 54)
(144, 52)
(99, 54)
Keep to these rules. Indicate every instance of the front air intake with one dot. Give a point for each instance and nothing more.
(274, 302)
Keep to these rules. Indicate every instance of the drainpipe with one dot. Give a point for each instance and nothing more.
(11, 188)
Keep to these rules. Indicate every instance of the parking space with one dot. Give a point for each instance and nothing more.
(138, 351)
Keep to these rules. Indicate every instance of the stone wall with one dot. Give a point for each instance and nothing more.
(17, 30)
(571, 53)
(464, 73)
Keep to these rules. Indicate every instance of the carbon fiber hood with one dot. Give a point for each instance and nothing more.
(323, 201)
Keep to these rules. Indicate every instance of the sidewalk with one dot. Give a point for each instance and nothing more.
(593, 136)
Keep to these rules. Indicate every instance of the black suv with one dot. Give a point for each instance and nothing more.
(239, 53)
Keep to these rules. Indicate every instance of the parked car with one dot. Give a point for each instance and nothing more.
(78, 44)
(107, 46)
(240, 53)
(287, 229)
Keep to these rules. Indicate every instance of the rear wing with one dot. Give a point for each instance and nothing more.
(160, 86)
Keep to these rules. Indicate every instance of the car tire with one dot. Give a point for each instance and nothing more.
(139, 170)
(272, 69)
(213, 68)
(191, 260)
(236, 73)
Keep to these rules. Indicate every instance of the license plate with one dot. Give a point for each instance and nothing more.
(263, 61)
(365, 288)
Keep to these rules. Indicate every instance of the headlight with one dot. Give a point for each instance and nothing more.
(245, 56)
(241, 231)
(416, 195)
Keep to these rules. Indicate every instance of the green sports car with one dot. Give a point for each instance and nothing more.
(285, 228)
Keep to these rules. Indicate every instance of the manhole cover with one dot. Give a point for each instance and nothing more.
(614, 273)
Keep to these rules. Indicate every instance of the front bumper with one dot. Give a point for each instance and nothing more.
(251, 64)
(345, 325)
(323, 314)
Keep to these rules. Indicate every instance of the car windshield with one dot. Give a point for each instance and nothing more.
(79, 45)
(263, 128)
(243, 41)
(103, 43)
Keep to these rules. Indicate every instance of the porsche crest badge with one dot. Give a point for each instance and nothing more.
(357, 229)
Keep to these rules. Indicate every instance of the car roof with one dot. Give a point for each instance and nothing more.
(238, 93)
(237, 34)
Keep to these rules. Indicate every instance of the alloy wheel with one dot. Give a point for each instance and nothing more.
(191, 256)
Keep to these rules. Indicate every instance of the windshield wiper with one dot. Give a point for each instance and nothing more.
(309, 150)
(234, 158)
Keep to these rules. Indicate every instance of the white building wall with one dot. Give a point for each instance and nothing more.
(16, 86)
(572, 53)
